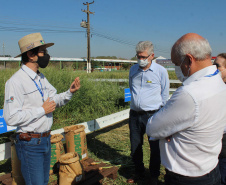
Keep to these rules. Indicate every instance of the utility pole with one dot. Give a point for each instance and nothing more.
(87, 26)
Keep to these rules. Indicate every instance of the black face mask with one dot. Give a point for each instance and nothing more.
(43, 61)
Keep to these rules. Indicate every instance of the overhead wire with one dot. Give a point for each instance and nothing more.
(113, 39)
(65, 29)
(23, 22)
(36, 25)
(122, 41)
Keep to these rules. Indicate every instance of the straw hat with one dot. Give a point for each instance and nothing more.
(32, 41)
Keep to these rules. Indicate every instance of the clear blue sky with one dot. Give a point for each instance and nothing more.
(117, 25)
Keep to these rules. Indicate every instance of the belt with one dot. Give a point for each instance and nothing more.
(38, 135)
(145, 112)
(28, 135)
(170, 173)
(174, 174)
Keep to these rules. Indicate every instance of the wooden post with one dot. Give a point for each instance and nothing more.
(61, 65)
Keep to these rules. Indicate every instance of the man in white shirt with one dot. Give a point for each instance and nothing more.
(29, 104)
(191, 124)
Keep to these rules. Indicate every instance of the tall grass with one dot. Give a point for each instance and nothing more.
(93, 100)
(5, 74)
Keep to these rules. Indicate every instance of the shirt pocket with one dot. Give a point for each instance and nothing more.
(32, 98)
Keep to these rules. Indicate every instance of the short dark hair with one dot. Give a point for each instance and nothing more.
(24, 56)
(223, 55)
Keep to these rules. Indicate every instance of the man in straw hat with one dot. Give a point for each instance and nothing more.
(29, 104)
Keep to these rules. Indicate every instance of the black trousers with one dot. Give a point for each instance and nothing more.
(137, 125)
(212, 178)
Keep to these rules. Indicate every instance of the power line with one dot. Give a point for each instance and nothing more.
(36, 25)
(18, 29)
(113, 39)
(67, 30)
(10, 20)
(124, 42)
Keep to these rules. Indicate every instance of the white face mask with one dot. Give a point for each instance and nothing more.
(143, 63)
(179, 74)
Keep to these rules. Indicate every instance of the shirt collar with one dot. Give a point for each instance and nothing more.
(201, 73)
(153, 66)
(29, 71)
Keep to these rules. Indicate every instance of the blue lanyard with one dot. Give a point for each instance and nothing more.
(215, 73)
(40, 91)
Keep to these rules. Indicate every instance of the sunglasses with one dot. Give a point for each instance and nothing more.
(142, 57)
(45, 51)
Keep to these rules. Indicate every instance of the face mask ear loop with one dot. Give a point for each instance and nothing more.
(188, 71)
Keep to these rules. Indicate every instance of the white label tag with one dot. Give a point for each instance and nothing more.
(79, 178)
(84, 155)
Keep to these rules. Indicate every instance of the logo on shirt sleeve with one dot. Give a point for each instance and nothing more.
(10, 100)
(148, 81)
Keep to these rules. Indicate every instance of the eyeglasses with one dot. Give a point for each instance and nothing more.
(142, 57)
(44, 51)
(216, 64)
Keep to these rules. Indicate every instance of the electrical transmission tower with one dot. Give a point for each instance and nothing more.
(86, 25)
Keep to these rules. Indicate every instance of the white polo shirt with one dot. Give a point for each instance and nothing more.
(24, 100)
(195, 117)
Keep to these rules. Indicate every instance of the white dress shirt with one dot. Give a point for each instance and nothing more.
(195, 118)
(23, 101)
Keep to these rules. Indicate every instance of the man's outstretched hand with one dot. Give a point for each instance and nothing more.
(75, 85)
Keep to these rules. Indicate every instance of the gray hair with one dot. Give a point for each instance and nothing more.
(145, 45)
(199, 48)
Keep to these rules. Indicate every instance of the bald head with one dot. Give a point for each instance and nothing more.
(190, 36)
(193, 44)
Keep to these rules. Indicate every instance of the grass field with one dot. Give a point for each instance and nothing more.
(113, 144)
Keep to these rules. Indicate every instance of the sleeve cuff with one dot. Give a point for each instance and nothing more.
(69, 94)
(152, 139)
